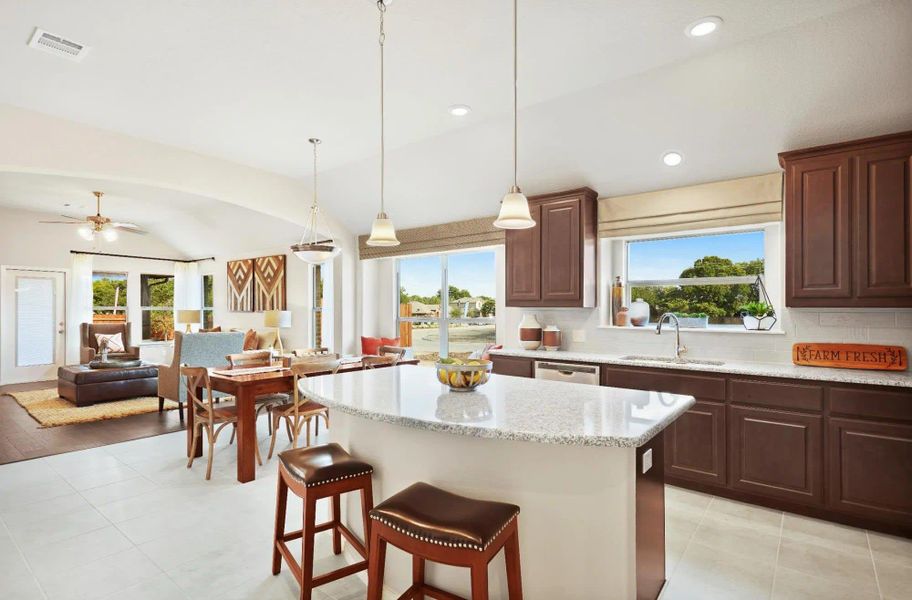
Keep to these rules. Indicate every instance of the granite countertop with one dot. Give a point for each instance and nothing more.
(786, 371)
(513, 408)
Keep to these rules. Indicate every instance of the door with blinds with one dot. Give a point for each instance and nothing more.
(32, 325)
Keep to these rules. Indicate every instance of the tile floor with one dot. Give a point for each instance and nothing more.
(128, 521)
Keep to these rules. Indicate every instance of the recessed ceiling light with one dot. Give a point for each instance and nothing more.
(703, 26)
(460, 110)
(672, 159)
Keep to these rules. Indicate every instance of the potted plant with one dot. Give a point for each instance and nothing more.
(758, 316)
(693, 320)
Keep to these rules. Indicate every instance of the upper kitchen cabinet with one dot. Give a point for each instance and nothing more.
(849, 223)
(554, 264)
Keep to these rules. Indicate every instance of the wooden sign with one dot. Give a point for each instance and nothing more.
(851, 356)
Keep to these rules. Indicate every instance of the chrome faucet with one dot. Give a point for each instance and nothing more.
(679, 349)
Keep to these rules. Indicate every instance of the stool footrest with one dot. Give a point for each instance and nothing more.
(423, 589)
(296, 535)
(354, 541)
(340, 573)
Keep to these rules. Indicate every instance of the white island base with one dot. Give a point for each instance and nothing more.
(578, 525)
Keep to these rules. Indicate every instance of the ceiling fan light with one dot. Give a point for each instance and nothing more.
(86, 233)
(109, 234)
(514, 212)
(383, 233)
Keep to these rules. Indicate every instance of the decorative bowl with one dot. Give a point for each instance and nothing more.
(464, 377)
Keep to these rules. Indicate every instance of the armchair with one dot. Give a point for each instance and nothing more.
(88, 343)
(194, 350)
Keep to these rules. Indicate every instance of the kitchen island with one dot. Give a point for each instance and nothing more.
(584, 463)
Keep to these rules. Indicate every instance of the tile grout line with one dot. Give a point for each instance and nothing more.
(778, 548)
(24, 559)
(873, 563)
(689, 540)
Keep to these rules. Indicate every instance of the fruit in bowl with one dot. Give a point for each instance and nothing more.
(463, 375)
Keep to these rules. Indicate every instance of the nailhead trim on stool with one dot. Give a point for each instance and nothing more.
(447, 544)
(334, 479)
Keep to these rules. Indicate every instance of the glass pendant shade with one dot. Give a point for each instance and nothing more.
(315, 253)
(311, 249)
(382, 232)
(514, 211)
(109, 235)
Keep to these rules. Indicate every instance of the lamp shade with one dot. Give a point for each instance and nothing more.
(277, 318)
(188, 316)
(382, 232)
(514, 212)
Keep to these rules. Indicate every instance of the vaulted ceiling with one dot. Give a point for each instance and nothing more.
(606, 87)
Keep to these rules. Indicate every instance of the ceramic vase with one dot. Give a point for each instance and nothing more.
(638, 314)
(530, 332)
(551, 338)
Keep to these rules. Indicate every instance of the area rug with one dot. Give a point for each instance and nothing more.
(49, 409)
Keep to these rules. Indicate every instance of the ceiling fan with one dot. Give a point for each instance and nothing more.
(98, 224)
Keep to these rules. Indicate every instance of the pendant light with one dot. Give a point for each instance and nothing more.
(311, 249)
(382, 231)
(514, 208)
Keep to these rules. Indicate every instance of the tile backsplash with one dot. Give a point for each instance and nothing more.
(871, 326)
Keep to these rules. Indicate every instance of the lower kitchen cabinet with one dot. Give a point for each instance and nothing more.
(776, 453)
(695, 444)
(869, 466)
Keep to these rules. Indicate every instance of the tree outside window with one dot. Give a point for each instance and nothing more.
(157, 296)
(109, 297)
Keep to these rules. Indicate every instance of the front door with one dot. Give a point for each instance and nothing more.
(32, 324)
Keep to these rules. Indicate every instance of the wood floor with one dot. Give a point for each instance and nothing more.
(22, 438)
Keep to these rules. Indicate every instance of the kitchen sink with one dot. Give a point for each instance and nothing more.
(672, 360)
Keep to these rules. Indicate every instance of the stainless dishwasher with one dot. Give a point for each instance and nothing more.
(569, 372)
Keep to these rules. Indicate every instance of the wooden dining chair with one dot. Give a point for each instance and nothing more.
(397, 353)
(301, 410)
(259, 358)
(207, 415)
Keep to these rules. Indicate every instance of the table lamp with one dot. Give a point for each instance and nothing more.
(280, 319)
(188, 317)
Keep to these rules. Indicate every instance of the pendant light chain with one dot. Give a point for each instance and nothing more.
(381, 6)
(515, 94)
(314, 208)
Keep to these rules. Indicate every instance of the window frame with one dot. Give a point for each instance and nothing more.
(204, 310)
(317, 308)
(123, 308)
(443, 320)
(143, 309)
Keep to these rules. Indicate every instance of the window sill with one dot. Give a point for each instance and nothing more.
(719, 329)
(156, 343)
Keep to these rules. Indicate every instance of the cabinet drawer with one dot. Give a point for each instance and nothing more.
(512, 365)
(872, 403)
(775, 394)
(699, 386)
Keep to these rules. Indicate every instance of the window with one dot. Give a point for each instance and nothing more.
(208, 303)
(109, 297)
(710, 275)
(316, 317)
(157, 297)
(456, 323)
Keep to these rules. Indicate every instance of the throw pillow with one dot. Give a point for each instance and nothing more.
(371, 345)
(266, 340)
(250, 340)
(114, 341)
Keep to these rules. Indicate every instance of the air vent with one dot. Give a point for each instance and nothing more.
(57, 45)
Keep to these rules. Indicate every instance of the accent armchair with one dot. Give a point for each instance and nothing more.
(88, 343)
(194, 350)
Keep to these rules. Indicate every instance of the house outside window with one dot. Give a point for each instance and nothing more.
(208, 302)
(710, 275)
(446, 303)
(109, 297)
(157, 298)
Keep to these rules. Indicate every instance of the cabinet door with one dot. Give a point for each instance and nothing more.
(884, 224)
(695, 444)
(560, 242)
(869, 467)
(512, 365)
(818, 233)
(776, 453)
(523, 262)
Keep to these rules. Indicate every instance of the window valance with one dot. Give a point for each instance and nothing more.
(745, 201)
(445, 237)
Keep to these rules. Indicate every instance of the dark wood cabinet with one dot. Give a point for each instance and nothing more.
(510, 365)
(776, 453)
(848, 223)
(695, 444)
(554, 264)
(869, 468)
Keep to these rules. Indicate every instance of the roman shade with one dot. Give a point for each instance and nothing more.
(745, 201)
(472, 233)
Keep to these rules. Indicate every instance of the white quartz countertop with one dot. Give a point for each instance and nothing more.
(514, 408)
(786, 371)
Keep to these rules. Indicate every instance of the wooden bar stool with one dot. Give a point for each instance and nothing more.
(432, 524)
(313, 473)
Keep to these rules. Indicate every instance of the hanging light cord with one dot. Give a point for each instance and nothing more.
(515, 110)
(313, 208)
(381, 6)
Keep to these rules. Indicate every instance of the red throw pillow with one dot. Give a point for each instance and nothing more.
(389, 341)
(370, 345)
(250, 340)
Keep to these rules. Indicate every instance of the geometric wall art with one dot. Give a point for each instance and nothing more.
(269, 283)
(240, 285)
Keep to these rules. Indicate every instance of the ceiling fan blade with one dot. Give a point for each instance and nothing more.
(134, 229)
(80, 219)
(125, 225)
(61, 222)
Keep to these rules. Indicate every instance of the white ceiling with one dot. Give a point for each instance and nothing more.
(194, 225)
(606, 87)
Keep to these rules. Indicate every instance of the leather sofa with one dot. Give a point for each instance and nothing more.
(195, 350)
(88, 343)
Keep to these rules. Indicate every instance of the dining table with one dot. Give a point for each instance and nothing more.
(246, 388)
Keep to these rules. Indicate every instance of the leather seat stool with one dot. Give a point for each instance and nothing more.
(433, 524)
(313, 473)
